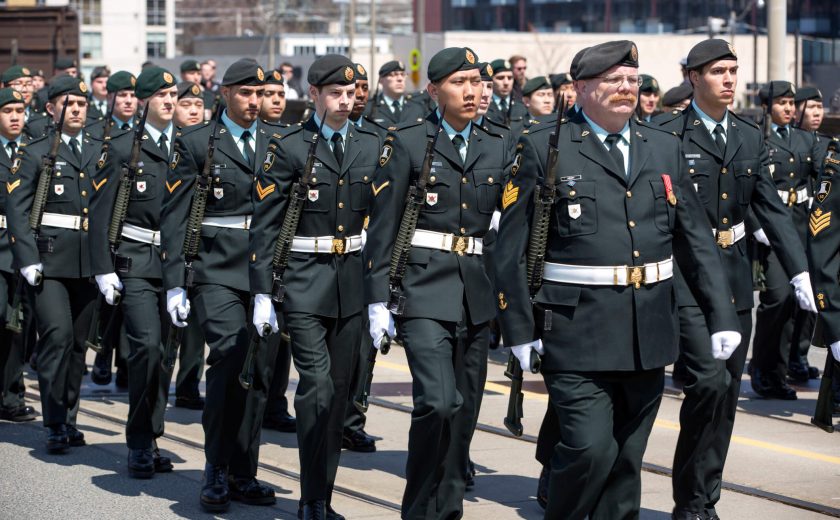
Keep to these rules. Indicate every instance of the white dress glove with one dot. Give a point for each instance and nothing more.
(761, 236)
(32, 273)
(804, 293)
(264, 314)
(835, 350)
(523, 353)
(109, 284)
(381, 323)
(494, 220)
(178, 306)
(724, 343)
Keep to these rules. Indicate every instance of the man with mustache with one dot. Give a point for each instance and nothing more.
(729, 166)
(232, 417)
(624, 211)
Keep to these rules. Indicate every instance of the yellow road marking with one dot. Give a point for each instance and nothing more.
(660, 423)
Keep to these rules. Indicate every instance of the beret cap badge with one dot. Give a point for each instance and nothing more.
(470, 57)
(195, 90)
(634, 53)
(276, 75)
(260, 74)
(360, 69)
(17, 95)
(348, 74)
(25, 71)
(732, 50)
(167, 77)
(83, 87)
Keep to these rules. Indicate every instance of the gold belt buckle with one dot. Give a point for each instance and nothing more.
(725, 238)
(338, 245)
(792, 198)
(459, 245)
(85, 224)
(635, 275)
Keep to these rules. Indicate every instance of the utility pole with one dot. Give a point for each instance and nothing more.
(776, 34)
(421, 33)
(351, 32)
(372, 37)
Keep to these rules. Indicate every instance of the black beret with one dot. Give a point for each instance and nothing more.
(10, 95)
(15, 72)
(602, 57)
(190, 66)
(39, 72)
(500, 65)
(535, 84)
(486, 71)
(649, 84)
(808, 94)
(777, 89)
(708, 51)
(558, 80)
(64, 63)
(121, 80)
(274, 77)
(245, 71)
(331, 69)
(187, 89)
(100, 72)
(679, 93)
(576, 61)
(66, 84)
(151, 80)
(361, 73)
(449, 60)
(391, 66)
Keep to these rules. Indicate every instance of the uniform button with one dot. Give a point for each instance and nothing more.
(632, 224)
(81, 175)
(749, 170)
(791, 159)
(84, 193)
(85, 211)
(572, 193)
(432, 178)
(691, 170)
(723, 170)
(724, 220)
(724, 196)
(792, 175)
(340, 228)
(315, 179)
(340, 205)
(463, 180)
(340, 182)
(464, 205)
(636, 254)
(365, 178)
(463, 231)
(629, 194)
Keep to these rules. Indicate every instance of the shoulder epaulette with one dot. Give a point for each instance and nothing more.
(750, 121)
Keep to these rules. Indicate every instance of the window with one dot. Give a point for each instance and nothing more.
(304, 50)
(90, 11)
(333, 49)
(155, 45)
(463, 3)
(91, 45)
(155, 12)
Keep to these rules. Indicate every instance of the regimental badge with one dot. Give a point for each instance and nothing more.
(15, 165)
(360, 69)
(732, 49)
(260, 74)
(510, 195)
(431, 198)
(167, 77)
(269, 160)
(489, 70)
(669, 189)
(83, 87)
(348, 73)
(276, 75)
(218, 193)
(195, 90)
(574, 211)
(655, 84)
(133, 81)
(175, 158)
(517, 161)
(58, 189)
(17, 95)
(470, 57)
(819, 220)
(102, 158)
(825, 189)
(25, 71)
(265, 192)
(634, 53)
(141, 186)
(313, 195)
(387, 150)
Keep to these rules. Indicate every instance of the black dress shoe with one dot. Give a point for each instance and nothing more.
(798, 373)
(141, 463)
(470, 476)
(162, 464)
(57, 441)
(19, 414)
(192, 403)
(813, 372)
(282, 423)
(248, 490)
(101, 373)
(358, 441)
(215, 496)
(332, 515)
(542, 487)
(685, 514)
(76, 437)
(312, 510)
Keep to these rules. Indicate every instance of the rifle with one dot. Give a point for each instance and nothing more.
(823, 413)
(282, 250)
(192, 239)
(122, 264)
(36, 216)
(544, 198)
(757, 251)
(360, 400)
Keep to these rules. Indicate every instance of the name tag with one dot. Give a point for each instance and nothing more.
(693, 156)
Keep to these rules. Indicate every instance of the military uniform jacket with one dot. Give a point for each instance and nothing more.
(69, 194)
(824, 255)
(602, 219)
(93, 112)
(337, 202)
(411, 111)
(460, 199)
(36, 126)
(223, 252)
(729, 186)
(518, 115)
(6, 258)
(144, 207)
(97, 128)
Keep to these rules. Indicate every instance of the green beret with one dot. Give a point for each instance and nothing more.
(274, 77)
(39, 72)
(64, 63)
(535, 84)
(558, 80)
(245, 71)
(10, 95)
(576, 61)
(486, 71)
(100, 72)
(449, 60)
(391, 66)
(777, 89)
(679, 93)
(15, 72)
(66, 84)
(331, 69)
(190, 66)
(500, 65)
(649, 84)
(599, 58)
(808, 94)
(120, 80)
(151, 80)
(188, 89)
(361, 73)
(708, 51)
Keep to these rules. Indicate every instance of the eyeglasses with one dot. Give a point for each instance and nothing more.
(21, 85)
(616, 80)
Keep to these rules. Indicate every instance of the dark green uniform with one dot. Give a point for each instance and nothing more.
(220, 299)
(442, 288)
(728, 183)
(518, 114)
(385, 116)
(324, 299)
(36, 124)
(605, 379)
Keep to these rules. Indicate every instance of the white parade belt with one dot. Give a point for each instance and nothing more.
(799, 196)
(3, 223)
(333, 245)
(147, 236)
(447, 242)
(58, 220)
(623, 275)
(234, 222)
(729, 237)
